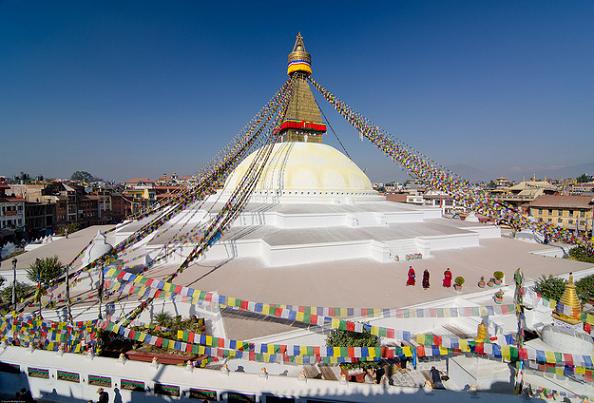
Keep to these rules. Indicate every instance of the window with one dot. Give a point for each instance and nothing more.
(551, 211)
(582, 214)
(540, 211)
(550, 220)
(570, 221)
(570, 213)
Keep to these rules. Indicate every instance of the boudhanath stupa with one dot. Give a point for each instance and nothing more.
(314, 232)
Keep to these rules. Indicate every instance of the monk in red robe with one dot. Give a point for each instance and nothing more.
(447, 278)
(411, 276)
(426, 279)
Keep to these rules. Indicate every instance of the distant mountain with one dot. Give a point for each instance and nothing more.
(469, 172)
(475, 174)
(517, 173)
(570, 171)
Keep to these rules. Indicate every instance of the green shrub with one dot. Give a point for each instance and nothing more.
(550, 287)
(163, 319)
(113, 344)
(498, 275)
(459, 280)
(344, 338)
(585, 288)
(581, 254)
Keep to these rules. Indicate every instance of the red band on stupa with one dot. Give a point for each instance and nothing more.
(293, 124)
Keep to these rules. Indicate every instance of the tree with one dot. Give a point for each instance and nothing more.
(22, 290)
(82, 176)
(583, 178)
(550, 287)
(45, 270)
(492, 184)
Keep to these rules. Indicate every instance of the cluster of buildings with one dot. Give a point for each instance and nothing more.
(31, 210)
(568, 204)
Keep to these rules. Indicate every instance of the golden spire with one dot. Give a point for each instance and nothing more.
(569, 299)
(299, 58)
(303, 120)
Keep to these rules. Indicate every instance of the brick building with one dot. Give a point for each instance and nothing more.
(572, 212)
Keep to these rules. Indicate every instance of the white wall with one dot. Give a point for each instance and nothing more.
(64, 391)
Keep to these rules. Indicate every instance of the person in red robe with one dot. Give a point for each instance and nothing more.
(411, 276)
(426, 279)
(447, 278)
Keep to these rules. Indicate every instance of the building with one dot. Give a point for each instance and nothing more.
(12, 210)
(503, 182)
(572, 212)
(584, 187)
(121, 207)
(40, 218)
(88, 210)
(104, 207)
(520, 194)
(141, 192)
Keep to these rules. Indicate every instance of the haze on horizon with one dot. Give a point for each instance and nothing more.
(139, 88)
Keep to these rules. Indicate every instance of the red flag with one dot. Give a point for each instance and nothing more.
(420, 351)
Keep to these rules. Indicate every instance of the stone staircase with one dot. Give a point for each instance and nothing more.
(403, 247)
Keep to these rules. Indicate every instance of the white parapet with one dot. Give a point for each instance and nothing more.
(32, 368)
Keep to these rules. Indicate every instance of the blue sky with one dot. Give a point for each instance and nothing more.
(138, 88)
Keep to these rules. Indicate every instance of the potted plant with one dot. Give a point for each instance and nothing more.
(498, 277)
(491, 282)
(498, 297)
(458, 282)
(482, 283)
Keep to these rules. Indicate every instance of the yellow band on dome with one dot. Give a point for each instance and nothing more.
(303, 67)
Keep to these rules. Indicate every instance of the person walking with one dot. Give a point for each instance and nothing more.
(426, 279)
(103, 396)
(411, 276)
(447, 278)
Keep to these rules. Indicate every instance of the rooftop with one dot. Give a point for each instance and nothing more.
(563, 201)
(139, 180)
(532, 185)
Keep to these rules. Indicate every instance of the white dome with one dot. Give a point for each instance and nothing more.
(305, 169)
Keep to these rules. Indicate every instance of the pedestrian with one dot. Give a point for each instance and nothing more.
(103, 396)
(447, 278)
(411, 276)
(435, 378)
(426, 279)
